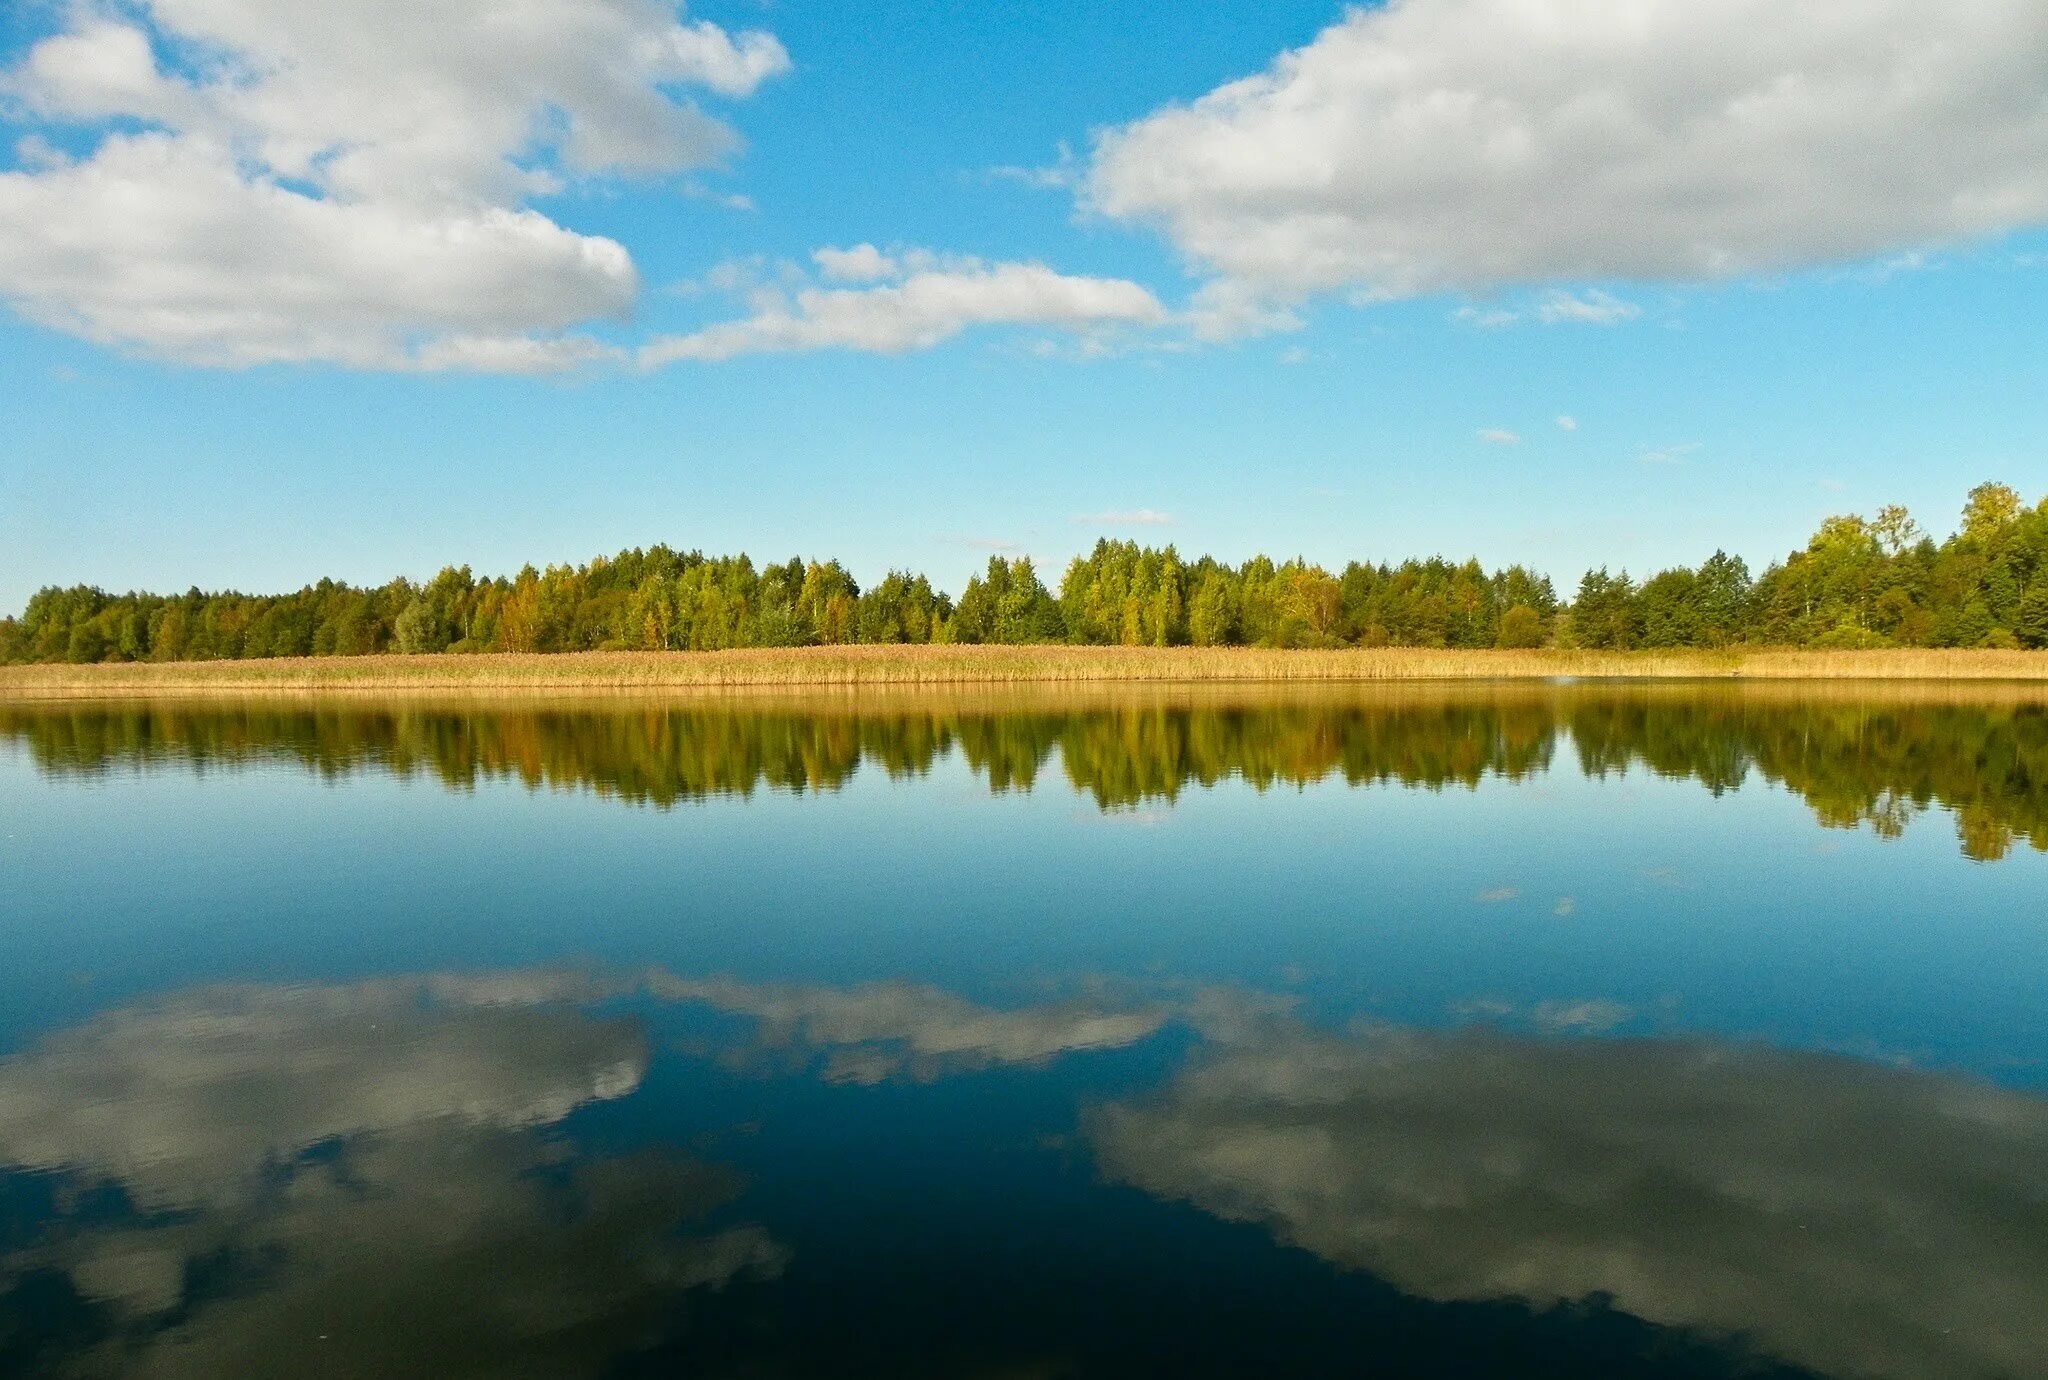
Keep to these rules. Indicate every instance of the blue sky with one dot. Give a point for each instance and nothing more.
(1753, 319)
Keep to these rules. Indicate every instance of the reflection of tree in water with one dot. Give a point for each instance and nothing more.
(350, 1181)
(1875, 761)
(1853, 763)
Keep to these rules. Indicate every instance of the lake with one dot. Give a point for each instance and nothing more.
(1462, 1030)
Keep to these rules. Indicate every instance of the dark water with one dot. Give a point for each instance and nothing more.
(1523, 1031)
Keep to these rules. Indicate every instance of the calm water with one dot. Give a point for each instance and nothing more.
(1529, 1031)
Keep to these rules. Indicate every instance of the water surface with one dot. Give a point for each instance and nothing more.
(1519, 1030)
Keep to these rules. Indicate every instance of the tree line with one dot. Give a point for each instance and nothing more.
(1859, 582)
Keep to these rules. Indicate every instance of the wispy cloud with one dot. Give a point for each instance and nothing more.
(1595, 1015)
(1063, 173)
(1670, 455)
(1899, 265)
(1590, 308)
(1125, 517)
(912, 300)
(1567, 422)
(1486, 318)
(1499, 436)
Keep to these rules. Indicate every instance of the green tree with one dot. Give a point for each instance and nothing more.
(1520, 627)
(2031, 626)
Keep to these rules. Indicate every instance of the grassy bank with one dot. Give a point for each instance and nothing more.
(822, 667)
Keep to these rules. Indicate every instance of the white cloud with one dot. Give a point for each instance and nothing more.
(343, 182)
(1567, 422)
(1499, 436)
(1670, 455)
(1555, 308)
(513, 354)
(1590, 308)
(1467, 145)
(161, 242)
(1486, 318)
(1223, 310)
(861, 264)
(1126, 517)
(1063, 173)
(934, 300)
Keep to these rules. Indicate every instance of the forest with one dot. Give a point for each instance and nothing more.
(1860, 582)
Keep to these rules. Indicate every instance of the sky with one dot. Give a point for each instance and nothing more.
(371, 287)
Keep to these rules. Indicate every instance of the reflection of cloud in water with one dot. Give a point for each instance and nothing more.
(882, 1030)
(187, 1099)
(1593, 1014)
(1596, 1014)
(358, 1186)
(420, 1254)
(1846, 1217)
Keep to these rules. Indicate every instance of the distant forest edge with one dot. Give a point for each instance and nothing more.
(1859, 583)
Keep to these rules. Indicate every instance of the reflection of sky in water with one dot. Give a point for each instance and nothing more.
(751, 1064)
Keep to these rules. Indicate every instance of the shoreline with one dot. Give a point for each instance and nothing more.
(910, 668)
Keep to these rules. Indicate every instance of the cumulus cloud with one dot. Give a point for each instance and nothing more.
(344, 182)
(1567, 422)
(1468, 145)
(915, 301)
(1847, 1217)
(863, 263)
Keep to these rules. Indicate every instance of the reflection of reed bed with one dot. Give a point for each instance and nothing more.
(1859, 753)
(916, 666)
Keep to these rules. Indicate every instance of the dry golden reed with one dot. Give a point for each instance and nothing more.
(871, 666)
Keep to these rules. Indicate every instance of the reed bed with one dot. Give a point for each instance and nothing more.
(858, 667)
